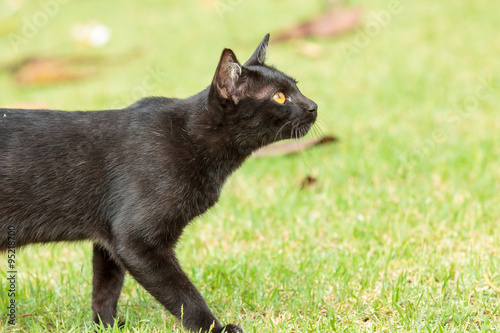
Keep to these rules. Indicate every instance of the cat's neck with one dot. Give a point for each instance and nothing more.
(215, 146)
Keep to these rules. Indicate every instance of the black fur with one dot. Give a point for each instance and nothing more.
(130, 180)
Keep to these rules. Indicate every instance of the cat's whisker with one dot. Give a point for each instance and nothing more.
(319, 124)
(302, 132)
(278, 133)
(291, 132)
(322, 127)
(315, 132)
(318, 132)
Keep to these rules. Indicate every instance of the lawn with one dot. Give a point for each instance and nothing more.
(401, 231)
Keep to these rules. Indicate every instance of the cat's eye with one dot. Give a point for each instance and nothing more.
(279, 97)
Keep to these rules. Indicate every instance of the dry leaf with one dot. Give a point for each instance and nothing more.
(309, 181)
(50, 70)
(45, 71)
(331, 24)
(292, 146)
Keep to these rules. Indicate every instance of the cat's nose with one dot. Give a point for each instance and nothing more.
(312, 107)
(309, 106)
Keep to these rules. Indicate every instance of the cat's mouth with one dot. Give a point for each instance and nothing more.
(300, 131)
(292, 130)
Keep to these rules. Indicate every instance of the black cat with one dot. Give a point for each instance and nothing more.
(130, 180)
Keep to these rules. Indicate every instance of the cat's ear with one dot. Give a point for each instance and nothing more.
(259, 56)
(227, 75)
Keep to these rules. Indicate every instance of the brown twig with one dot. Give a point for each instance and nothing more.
(31, 314)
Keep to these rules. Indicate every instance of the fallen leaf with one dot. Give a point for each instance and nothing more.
(330, 24)
(40, 70)
(45, 71)
(292, 146)
(309, 181)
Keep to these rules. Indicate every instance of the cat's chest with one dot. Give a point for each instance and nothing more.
(198, 192)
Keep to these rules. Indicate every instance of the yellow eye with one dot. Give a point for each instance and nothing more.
(279, 97)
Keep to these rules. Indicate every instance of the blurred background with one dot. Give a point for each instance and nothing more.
(392, 227)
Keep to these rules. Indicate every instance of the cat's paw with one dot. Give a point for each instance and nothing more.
(232, 329)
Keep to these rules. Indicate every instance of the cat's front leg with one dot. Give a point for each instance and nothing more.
(156, 268)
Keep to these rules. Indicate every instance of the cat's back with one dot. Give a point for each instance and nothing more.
(35, 139)
(24, 127)
(77, 169)
(34, 142)
(55, 168)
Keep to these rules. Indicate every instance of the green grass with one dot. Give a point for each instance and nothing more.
(400, 229)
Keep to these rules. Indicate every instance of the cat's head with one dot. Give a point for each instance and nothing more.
(256, 103)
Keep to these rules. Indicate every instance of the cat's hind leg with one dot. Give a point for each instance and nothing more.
(107, 284)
